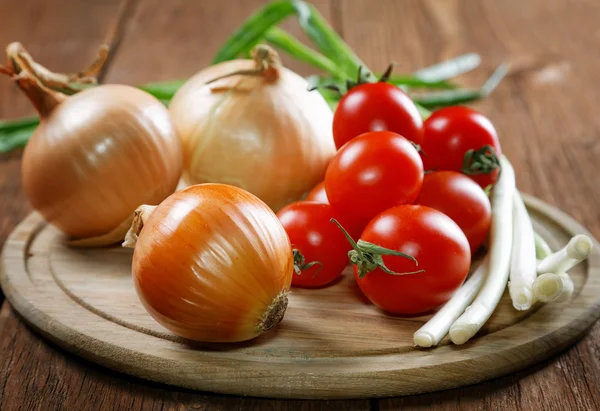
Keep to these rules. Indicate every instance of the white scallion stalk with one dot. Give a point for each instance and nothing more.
(500, 248)
(554, 284)
(523, 261)
(542, 249)
(552, 287)
(577, 250)
(568, 288)
(437, 327)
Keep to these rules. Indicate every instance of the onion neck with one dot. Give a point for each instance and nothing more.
(267, 61)
(41, 84)
(268, 66)
(43, 99)
(140, 216)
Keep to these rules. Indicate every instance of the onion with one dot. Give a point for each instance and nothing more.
(96, 156)
(212, 263)
(253, 124)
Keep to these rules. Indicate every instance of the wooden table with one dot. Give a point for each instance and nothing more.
(545, 112)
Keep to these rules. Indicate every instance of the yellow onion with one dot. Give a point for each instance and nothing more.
(96, 156)
(253, 124)
(212, 263)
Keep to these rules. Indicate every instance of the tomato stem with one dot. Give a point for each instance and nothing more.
(300, 263)
(418, 148)
(368, 256)
(482, 161)
(387, 74)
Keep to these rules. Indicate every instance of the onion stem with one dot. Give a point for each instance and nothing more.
(523, 260)
(437, 327)
(486, 301)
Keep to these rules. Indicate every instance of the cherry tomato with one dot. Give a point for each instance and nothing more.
(438, 244)
(461, 199)
(318, 241)
(371, 173)
(450, 132)
(374, 107)
(318, 194)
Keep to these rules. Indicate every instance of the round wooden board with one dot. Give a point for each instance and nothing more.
(331, 344)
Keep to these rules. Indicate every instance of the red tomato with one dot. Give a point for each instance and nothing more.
(461, 199)
(439, 246)
(373, 172)
(318, 240)
(318, 194)
(450, 132)
(374, 107)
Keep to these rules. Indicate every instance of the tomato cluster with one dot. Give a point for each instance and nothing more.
(403, 200)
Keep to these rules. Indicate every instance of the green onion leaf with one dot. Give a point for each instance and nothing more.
(450, 68)
(327, 40)
(163, 90)
(253, 30)
(289, 44)
(461, 96)
(15, 139)
(7, 126)
(413, 81)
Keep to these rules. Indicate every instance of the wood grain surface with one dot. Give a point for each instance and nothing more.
(545, 112)
(331, 344)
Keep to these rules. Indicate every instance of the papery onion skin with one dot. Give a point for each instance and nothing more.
(97, 156)
(271, 138)
(212, 263)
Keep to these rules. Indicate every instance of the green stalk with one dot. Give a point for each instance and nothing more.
(542, 249)
(254, 29)
(11, 125)
(288, 43)
(164, 90)
(16, 139)
(413, 81)
(450, 68)
(454, 97)
(327, 40)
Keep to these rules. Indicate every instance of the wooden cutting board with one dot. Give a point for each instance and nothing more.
(331, 344)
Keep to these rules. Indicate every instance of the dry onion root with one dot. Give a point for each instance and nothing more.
(212, 263)
(253, 124)
(97, 155)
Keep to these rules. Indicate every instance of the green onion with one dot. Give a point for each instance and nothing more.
(254, 29)
(288, 43)
(7, 126)
(460, 96)
(10, 141)
(327, 40)
(413, 81)
(163, 90)
(450, 68)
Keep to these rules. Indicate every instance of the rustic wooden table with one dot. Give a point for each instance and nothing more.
(545, 112)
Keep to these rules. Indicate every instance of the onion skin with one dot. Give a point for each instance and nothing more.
(268, 136)
(212, 263)
(97, 156)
